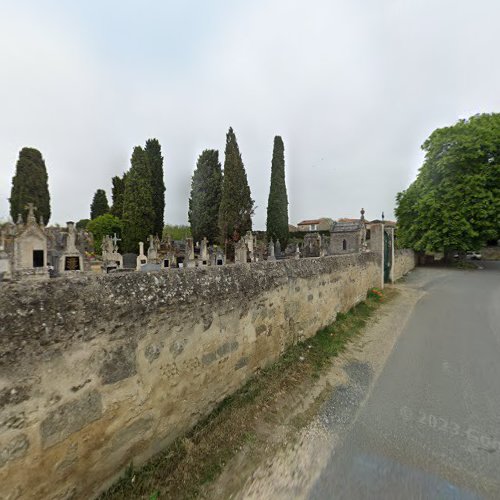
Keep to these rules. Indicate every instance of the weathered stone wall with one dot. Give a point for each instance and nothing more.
(97, 371)
(404, 261)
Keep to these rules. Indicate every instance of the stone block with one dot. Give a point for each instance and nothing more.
(243, 361)
(209, 358)
(152, 352)
(70, 417)
(15, 448)
(227, 348)
(119, 364)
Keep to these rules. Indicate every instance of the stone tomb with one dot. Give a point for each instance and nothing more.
(111, 258)
(71, 259)
(5, 268)
(30, 246)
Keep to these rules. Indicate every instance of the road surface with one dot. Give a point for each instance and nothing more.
(430, 425)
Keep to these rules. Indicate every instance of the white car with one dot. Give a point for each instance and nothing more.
(474, 255)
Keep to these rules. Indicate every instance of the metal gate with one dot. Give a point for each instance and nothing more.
(387, 258)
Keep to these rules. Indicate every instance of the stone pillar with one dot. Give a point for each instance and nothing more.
(204, 257)
(141, 258)
(270, 251)
(391, 237)
(5, 272)
(190, 260)
(377, 246)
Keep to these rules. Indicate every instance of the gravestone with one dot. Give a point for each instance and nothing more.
(204, 256)
(240, 252)
(277, 251)
(141, 258)
(129, 260)
(5, 272)
(70, 259)
(111, 258)
(270, 251)
(190, 260)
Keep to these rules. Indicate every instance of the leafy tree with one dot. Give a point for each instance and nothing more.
(138, 212)
(277, 205)
(236, 207)
(206, 191)
(153, 153)
(103, 225)
(117, 192)
(82, 224)
(99, 204)
(454, 204)
(176, 232)
(30, 185)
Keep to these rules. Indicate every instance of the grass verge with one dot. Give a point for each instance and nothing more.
(188, 466)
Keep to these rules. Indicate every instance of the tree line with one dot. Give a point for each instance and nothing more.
(220, 203)
(454, 203)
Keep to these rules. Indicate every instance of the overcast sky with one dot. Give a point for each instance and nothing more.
(354, 87)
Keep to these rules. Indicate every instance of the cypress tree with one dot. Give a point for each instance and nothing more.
(206, 191)
(30, 185)
(277, 205)
(138, 211)
(117, 192)
(236, 207)
(99, 205)
(155, 159)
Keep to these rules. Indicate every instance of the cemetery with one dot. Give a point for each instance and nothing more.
(113, 343)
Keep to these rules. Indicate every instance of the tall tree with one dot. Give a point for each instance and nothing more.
(236, 207)
(30, 185)
(206, 192)
(153, 152)
(454, 204)
(99, 205)
(103, 225)
(138, 212)
(277, 205)
(117, 192)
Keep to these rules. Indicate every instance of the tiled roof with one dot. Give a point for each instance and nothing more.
(346, 227)
(308, 222)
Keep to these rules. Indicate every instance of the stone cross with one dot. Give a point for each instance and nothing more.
(106, 245)
(115, 240)
(31, 213)
(71, 240)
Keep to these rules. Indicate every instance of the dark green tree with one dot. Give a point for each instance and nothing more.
(138, 212)
(103, 225)
(99, 205)
(30, 185)
(206, 192)
(277, 205)
(82, 224)
(117, 192)
(236, 207)
(454, 204)
(153, 152)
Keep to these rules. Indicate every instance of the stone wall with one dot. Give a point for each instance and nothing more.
(404, 261)
(97, 371)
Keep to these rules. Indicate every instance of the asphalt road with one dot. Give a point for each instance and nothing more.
(430, 425)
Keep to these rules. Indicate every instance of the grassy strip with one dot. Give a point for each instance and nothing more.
(192, 462)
